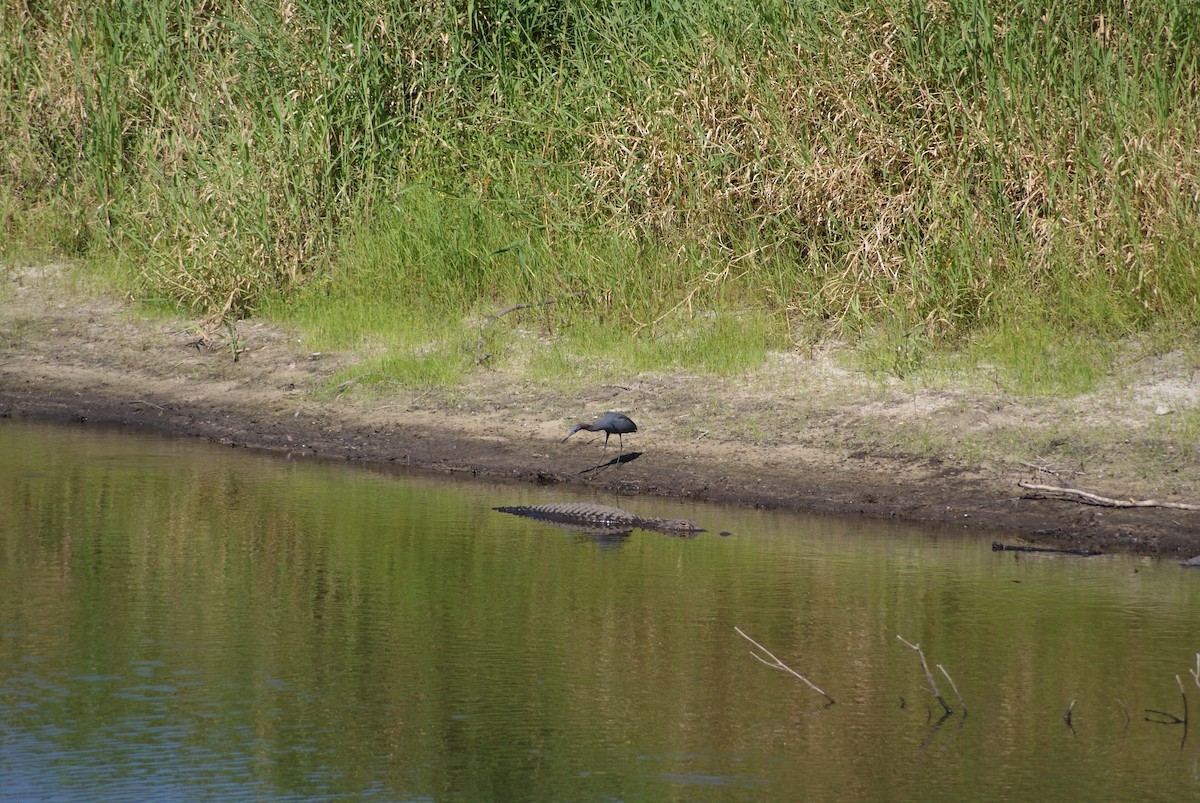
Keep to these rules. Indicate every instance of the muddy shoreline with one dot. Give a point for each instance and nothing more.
(803, 436)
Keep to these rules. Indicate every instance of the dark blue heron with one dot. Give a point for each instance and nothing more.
(610, 423)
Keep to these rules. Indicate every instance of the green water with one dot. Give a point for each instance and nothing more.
(182, 621)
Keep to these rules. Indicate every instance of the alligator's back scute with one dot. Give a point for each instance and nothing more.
(594, 515)
(574, 513)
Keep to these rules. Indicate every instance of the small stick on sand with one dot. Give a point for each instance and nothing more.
(775, 663)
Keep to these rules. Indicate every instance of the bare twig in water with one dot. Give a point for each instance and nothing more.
(1086, 498)
(1183, 694)
(1169, 718)
(1195, 673)
(1067, 716)
(961, 701)
(933, 730)
(778, 664)
(1124, 708)
(928, 675)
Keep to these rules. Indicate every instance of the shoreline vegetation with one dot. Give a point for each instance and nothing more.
(678, 184)
(978, 193)
(802, 434)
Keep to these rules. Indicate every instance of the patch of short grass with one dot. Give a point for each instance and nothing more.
(1039, 361)
(1181, 425)
(720, 344)
(438, 367)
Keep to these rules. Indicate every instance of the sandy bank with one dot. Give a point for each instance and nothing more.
(803, 433)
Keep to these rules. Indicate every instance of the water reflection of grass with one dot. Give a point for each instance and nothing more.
(329, 631)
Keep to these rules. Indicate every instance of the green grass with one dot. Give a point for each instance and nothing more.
(691, 182)
(724, 345)
(440, 366)
(1040, 361)
(1181, 426)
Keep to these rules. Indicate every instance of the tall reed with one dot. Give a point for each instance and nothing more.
(948, 164)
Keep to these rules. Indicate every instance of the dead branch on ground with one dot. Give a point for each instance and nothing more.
(1047, 470)
(351, 382)
(1086, 498)
(775, 663)
(480, 356)
(928, 675)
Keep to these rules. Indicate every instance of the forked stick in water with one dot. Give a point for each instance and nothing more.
(954, 686)
(775, 663)
(929, 675)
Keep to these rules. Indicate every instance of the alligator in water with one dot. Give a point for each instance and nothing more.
(592, 518)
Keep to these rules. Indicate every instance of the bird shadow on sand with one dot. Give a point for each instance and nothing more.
(619, 460)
